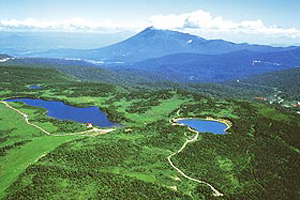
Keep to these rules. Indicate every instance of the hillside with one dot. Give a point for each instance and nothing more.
(287, 81)
(191, 67)
(154, 74)
(82, 70)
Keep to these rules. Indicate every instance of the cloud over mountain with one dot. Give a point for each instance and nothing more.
(204, 22)
(199, 22)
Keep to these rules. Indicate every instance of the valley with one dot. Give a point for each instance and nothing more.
(135, 158)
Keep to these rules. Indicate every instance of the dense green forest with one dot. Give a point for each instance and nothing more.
(132, 80)
(257, 159)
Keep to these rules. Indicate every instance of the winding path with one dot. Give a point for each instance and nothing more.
(215, 191)
(26, 118)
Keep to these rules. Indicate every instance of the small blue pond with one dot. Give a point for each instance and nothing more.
(205, 126)
(62, 111)
(35, 87)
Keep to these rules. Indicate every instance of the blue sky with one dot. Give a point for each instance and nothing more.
(98, 15)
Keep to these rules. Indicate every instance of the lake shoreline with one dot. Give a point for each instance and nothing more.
(67, 102)
(71, 117)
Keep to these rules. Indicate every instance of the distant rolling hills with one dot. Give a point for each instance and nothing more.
(164, 55)
(81, 69)
(181, 67)
(189, 71)
(192, 67)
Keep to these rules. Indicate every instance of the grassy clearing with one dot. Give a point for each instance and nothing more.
(272, 113)
(96, 101)
(157, 112)
(32, 113)
(17, 159)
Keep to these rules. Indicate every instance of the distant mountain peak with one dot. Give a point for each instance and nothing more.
(151, 30)
(153, 42)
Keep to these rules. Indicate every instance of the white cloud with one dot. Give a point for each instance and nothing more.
(199, 22)
(203, 22)
(74, 24)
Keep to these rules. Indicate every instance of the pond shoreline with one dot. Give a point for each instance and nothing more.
(228, 123)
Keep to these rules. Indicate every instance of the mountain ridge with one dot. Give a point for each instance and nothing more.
(193, 67)
(152, 43)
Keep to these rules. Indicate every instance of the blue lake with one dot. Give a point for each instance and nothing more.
(35, 87)
(205, 126)
(62, 111)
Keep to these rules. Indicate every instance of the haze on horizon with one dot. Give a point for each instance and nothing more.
(272, 22)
